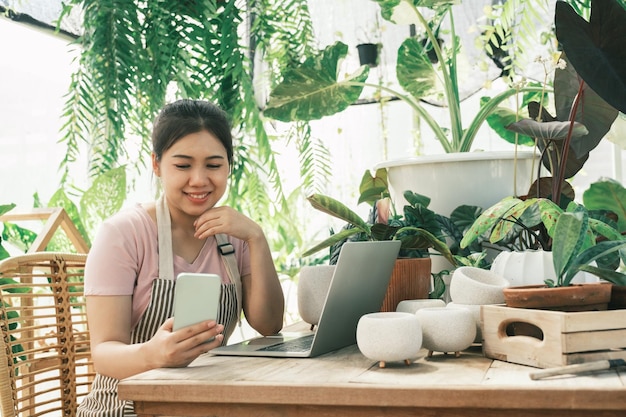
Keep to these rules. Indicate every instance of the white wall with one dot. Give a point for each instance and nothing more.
(35, 71)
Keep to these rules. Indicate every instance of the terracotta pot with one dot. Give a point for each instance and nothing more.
(578, 297)
(618, 297)
(410, 280)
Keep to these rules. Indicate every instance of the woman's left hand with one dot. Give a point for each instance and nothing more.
(228, 221)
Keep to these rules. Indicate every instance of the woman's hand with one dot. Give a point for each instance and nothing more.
(228, 221)
(169, 349)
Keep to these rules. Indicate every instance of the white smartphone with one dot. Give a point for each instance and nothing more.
(196, 298)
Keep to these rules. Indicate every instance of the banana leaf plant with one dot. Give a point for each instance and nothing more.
(589, 91)
(425, 69)
(418, 228)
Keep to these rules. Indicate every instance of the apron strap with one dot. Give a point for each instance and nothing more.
(228, 256)
(164, 237)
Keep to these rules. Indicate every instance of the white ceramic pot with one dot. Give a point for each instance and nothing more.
(446, 329)
(530, 267)
(475, 310)
(313, 285)
(411, 306)
(470, 285)
(474, 178)
(389, 337)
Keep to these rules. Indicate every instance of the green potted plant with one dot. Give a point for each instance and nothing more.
(417, 227)
(426, 69)
(571, 254)
(523, 231)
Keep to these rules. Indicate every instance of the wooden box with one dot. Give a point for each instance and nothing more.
(544, 338)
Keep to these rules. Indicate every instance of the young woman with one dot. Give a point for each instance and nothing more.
(132, 265)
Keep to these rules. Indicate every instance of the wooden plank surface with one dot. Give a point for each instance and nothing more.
(345, 383)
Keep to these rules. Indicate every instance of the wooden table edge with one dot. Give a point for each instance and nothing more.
(372, 395)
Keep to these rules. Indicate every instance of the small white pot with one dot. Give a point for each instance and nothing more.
(411, 306)
(446, 329)
(475, 309)
(472, 285)
(389, 337)
(313, 285)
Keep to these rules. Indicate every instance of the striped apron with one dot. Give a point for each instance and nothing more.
(102, 400)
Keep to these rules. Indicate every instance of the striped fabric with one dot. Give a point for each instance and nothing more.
(102, 401)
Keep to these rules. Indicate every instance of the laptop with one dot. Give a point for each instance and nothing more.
(358, 287)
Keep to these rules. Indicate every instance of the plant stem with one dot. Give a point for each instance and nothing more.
(557, 183)
(419, 109)
(449, 80)
(485, 111)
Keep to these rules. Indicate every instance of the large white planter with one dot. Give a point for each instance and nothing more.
(450, 180)
(531, 267)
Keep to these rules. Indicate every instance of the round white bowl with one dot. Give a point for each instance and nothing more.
(446, 329)
(411, 306)
(389, 337)
(470, 285)
(475, 309)
(313, 285)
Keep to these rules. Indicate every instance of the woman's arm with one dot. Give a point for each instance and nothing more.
(263, 299)
(109, 319)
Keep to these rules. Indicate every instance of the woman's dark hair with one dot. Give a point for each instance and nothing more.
(183, 117)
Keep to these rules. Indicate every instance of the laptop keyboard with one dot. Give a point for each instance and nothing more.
(301, 344)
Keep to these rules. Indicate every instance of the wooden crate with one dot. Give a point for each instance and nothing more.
(544, 339)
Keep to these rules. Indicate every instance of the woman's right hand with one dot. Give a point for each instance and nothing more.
(169, 349)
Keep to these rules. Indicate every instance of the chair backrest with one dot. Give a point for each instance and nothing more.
(45, 358)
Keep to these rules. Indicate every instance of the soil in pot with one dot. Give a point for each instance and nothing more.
(576, 297)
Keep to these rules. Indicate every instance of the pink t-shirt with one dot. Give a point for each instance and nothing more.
(123, 259)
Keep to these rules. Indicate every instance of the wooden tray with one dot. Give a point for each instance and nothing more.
(544, 338)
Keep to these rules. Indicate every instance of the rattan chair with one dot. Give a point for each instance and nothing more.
(45, 364)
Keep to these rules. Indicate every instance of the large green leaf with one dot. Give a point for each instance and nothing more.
(569, 236)
(420, 239)
(609, 195)
(5, 208)
(488, 219)
(547, 130)
(596, 48)
(337, 209)
(502, 117)
(335, 238)
(312, 90)
(18, 236)
(375, 187)
(399, 11)
(593, 112)
(601, 250)
(615, 277)
(415, 72)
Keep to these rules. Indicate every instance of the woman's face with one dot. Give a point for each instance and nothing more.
(194, 173)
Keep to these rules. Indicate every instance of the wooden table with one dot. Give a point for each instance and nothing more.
(347, 384)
